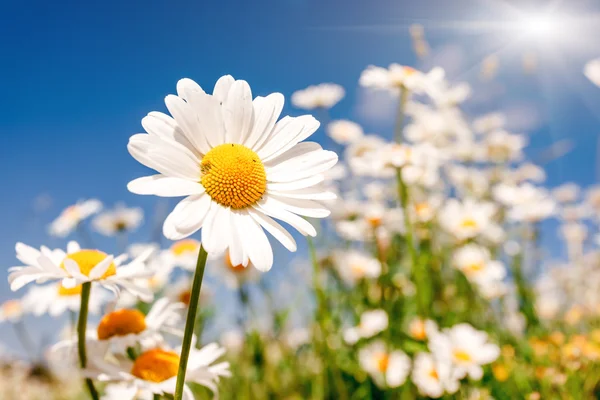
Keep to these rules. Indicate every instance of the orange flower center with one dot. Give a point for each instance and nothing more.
(121, 323)
(233, 175)
(238, 269)
(462, 356)
(156, 365)
(382, 360)
(88, 259)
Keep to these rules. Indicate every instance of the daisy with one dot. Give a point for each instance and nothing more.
(12, 310)
(394, 78)
(180, 291)
(73, 215)
(434, 377)
(371, 323)
(566, 193)
(237, 166)
(354, 266)
(420, 329)
(78, 266)
(387, 368)
(55, 299)
(155, 371)
(325, 95)
(489, 123)
(467, 347)
(121, 219)
(123, 328)
(526, 202)
(234, 276)
(475, 262)
(467, 219)
(592, 71)
(501, 146)
(184, 254)
(344, 132)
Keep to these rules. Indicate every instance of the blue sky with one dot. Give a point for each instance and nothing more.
(77, 77)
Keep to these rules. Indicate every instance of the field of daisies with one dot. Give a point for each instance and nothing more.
(419, 273)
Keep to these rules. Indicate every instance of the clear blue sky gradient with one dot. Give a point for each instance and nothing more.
(77, 77)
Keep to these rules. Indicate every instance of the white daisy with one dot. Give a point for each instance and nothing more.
(387, 368)
(592, 71)
(73, 215)
(120, 219)
(238, 166)
(526, 202)
(155, 371)
(183, 254)
(475, 262)
(420, 329)
(123, 328)
(354, 266)
(55, 299)
(434, 377)
(468, 219)
(181, 291)
(11, 310)
(371, 323)
(393, 78)
(467, 347)
(78, 266)
(344, 132)
(324, 95)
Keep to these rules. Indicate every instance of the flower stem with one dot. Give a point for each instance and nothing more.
(190, 322)
(81, 328)
(400, 118)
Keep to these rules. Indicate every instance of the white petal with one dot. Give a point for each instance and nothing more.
(185, 86)
(222, 87)
(307, 208)
(168, 158)
(164, 186)
(101, 268)
(274, 209)
(295, 185)
(266, 112)
(238, 112)
(303, 166)
(216, 229)
(237, 255)
(305, 194)
(166, 128)
(187, 118)
(296, 151)
(274, 229)
(288, 136)
(256, 244)
(182, 212)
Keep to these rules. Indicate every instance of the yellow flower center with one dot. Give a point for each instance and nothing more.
(469, 223)
(357, 270)
(382, 360)
(63, 291)
(433, 374)
(156, 365)
(233, 176)
(417, 330)
(185, 296)
(462, 356)
(88, 259)
(185, 246)
(474, 268)
(374, 220)
(121, 323)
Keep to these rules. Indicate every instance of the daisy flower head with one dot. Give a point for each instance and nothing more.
(180, 291)
(155, 371)
(592, 71)
(324, 95)
(354, 266)
(468, 219)
(344, 132)
(475, 262)
(466, 347)
(78, 266)
(434, 377)
(393, 78)
(238, 166)
(123, 328)
(12, 310)
(73, 215)
(420, 329)
(371, 323)
(387, 368)
(184, 253)
(120, 219)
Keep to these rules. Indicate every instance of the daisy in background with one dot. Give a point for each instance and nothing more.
(393, 78)
(12, 311)
(354, 266)
(73, 215)
(475, 262)
(324, 95)
(155, 371)
(434, 377)
(371, 323)
(78, 266)
(525, 202)
(238, 167)
(183, 254)
(233, 276)
(387, 368)
(420, 329)
(468, 219)
(54, 299)
(120, 219)
(344, 132)
(180, 291)
(466, 347)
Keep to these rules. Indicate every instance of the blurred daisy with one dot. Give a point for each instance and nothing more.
(592, 71)
(181, 291)
(55, 299)
(387, 368)
(526, 202)
(420, 329)
(78, 266)
(344, 132)
(566, 193)
(73, 215)
(393, 78)
(434, 377)
(467, 219)
(500, 147)
(371, 323)
(475, 262)
(12, 310)
(238, 166)
(155, 371)
(120, 219)
(124, 328)
(184, 254)
(489, 123)
(232, 275)
(467, 347)
(354, 266)
(324, 95)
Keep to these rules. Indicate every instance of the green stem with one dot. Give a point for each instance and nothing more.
(190, 322)
(81, 328)
(400, 119)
